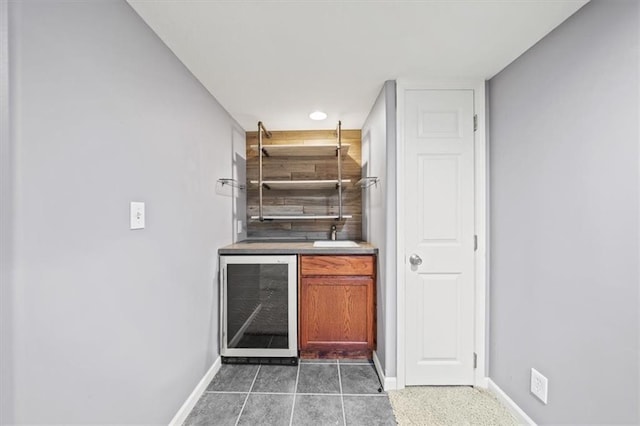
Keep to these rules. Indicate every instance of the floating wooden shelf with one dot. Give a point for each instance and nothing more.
(302, 217)
(301, 184)
(301, 150)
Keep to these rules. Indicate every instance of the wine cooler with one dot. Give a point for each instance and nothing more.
(258, 321)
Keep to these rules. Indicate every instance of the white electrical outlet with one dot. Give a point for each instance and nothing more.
(137, 215)
(239, 227)
(539, 385)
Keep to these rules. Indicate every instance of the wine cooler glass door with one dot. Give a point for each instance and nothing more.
(259, 306)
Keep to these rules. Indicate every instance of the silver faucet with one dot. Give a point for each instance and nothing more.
(333, 232)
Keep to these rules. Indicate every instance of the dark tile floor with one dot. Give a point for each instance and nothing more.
(312, 393)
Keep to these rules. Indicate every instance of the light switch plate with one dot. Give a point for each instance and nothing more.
(137, 215)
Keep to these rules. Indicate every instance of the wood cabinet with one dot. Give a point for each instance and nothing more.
(337, 306)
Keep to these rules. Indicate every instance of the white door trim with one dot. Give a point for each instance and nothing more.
(480, 176)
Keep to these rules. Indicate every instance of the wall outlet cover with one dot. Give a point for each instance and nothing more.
(137, 215)
(539, 385)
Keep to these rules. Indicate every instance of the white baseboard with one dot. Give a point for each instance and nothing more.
(188, 405)
(519, 414)
(388, 383)
(482, 383)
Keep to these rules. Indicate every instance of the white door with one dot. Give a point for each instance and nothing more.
(439, 233)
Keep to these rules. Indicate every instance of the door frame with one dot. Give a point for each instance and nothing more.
(480, 221)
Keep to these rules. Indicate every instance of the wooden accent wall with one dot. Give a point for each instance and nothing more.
(322, 202)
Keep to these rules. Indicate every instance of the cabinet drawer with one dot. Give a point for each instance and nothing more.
(336, 265)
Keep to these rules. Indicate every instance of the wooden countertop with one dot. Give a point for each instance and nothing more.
(293, 247)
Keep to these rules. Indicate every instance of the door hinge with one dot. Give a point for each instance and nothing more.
(475, 360)
(475, 243)
(475, 122)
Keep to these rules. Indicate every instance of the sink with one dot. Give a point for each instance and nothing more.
(331, 243)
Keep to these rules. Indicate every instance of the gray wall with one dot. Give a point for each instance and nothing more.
(564, 219)
(111, 325)
(6, 226)
(379, 203)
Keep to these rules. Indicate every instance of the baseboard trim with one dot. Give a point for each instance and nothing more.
(482, 383)
(388, 383)
(191, 401)
(519, 414)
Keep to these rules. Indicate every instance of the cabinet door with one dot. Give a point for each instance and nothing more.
(337, 313)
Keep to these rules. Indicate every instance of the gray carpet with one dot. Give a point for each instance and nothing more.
(448, 405)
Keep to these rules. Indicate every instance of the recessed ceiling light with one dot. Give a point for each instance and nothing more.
(318, 115)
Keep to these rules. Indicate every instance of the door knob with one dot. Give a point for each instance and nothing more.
(415, 260)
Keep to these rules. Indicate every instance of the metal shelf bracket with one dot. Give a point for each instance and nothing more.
(232, 183)
(368, 181)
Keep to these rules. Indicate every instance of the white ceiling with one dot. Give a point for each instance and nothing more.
(277, 61)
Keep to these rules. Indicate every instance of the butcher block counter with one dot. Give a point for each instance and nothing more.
(293, 247)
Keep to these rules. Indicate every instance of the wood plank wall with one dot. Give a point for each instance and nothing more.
(323, 202)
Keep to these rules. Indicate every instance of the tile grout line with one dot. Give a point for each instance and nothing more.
(295, 391)
(344, 416)
(247, 397)
(363, 395)
(334, 363)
